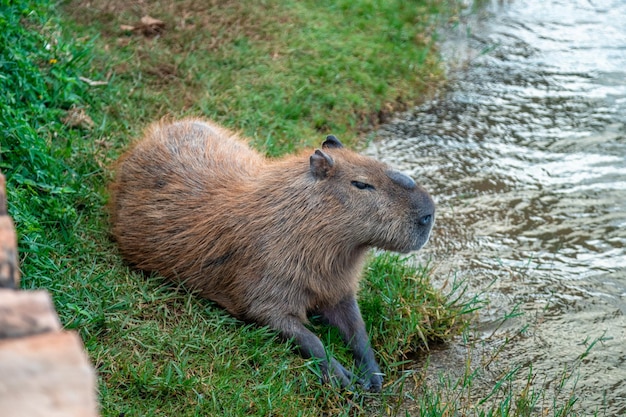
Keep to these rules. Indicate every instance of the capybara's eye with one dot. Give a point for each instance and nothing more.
(363, 185)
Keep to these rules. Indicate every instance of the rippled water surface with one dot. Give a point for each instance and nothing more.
(526, 157)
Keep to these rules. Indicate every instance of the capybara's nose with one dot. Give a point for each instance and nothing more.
(426, 210)
(426, 220)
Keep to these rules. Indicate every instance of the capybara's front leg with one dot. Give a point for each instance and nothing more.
(346, 316)
(310, 346)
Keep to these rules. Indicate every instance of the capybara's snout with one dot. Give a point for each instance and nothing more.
(424, 217)
(419, 207)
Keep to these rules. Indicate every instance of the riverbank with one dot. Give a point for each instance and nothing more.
(81, 85)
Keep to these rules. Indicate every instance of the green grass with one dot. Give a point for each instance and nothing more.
(285, 73)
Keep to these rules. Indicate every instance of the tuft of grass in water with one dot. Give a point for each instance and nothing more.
(285, 73)
(406, 312)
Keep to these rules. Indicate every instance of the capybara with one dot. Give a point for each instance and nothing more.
(272, 241)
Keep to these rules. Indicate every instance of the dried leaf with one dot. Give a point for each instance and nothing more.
(147, 26)
(150, 21)
(76, 117)
(92, 82)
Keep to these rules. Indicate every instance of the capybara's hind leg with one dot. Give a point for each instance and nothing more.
(310, 346)
(346, 316)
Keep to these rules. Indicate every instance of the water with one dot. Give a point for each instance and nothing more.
(525, 155)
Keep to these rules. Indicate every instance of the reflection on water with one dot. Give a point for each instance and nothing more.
(526, 156)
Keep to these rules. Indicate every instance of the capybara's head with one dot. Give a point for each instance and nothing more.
(383, 207)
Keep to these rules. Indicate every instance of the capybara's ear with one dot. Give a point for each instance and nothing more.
(332, 142)
(321, 164)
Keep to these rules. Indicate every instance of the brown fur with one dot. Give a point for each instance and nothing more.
(269, 240)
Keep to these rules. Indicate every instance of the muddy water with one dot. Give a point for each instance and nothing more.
(526, 156)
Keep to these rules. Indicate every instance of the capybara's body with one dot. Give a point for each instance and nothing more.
(271, 241)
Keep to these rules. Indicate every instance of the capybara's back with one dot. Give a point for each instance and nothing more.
(271, 241)
(164, 185)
